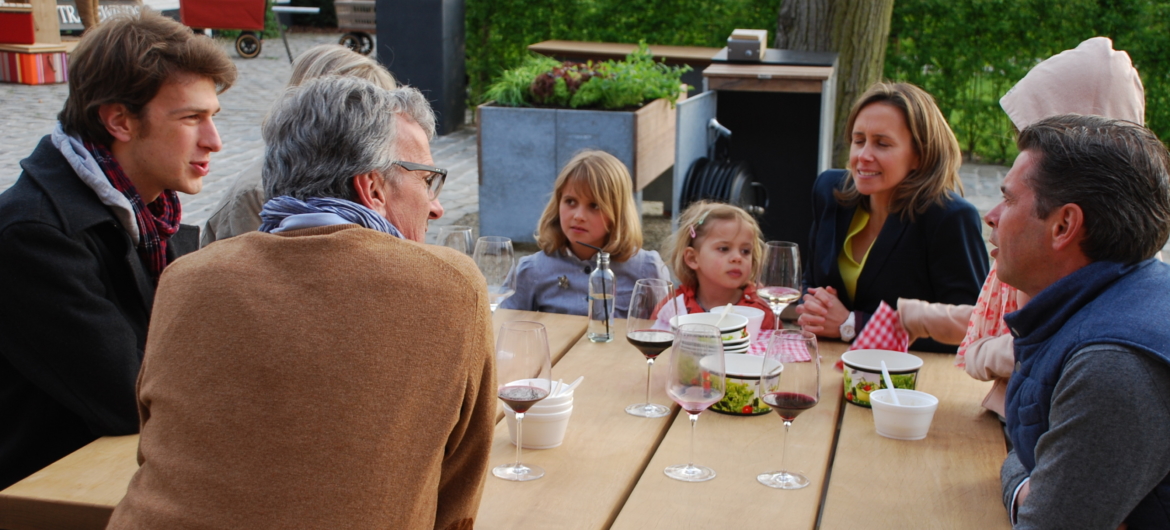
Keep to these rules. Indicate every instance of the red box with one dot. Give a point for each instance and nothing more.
(16, 28)
(223, 14)
(33, 68)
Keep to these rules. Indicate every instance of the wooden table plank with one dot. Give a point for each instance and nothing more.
(589, 476)
(81, 490)
(948, 480)
(76, 492)
(739, 448)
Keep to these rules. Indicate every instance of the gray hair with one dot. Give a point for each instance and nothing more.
(1118, 172)
(322, 134)
(335, 59)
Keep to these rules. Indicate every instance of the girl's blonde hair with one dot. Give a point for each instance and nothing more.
(695, 224)
(933, 141)
(609, 183)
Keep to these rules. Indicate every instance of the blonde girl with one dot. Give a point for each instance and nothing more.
(716, 255)
(592, 204)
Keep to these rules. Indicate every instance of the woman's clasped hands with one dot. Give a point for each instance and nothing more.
(822, 312)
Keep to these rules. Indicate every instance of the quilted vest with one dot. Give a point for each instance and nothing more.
(1102, 303)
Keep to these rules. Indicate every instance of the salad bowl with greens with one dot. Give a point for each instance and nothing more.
(743, 379)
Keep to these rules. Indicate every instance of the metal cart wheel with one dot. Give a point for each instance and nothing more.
(367, 43)
(248, 45)
(352, 41)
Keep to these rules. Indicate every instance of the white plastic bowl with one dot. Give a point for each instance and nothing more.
(908, 421)
(541, 430)
(754, 315)
(733, 327)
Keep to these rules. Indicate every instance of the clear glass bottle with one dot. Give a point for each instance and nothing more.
(601, 298)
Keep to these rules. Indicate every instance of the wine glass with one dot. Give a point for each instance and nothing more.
(697, 380)
(523, 377)
(494, 256)
(792, 353)
(457, 237)
(643, 331)
(780, 276)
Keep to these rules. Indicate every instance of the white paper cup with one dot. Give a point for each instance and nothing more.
(541, 430)
(754, 315)
(908, 421)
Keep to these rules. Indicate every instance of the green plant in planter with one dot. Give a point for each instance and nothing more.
(611, 85)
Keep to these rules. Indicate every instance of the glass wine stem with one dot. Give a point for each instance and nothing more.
(649, 365)
(520, 437)
(691, 460)
(784, 452)
(776, 313)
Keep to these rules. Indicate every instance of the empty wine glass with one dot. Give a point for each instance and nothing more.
(649, 338)
(780, 276)
(697, 380)
(523, 377)
(494, 256)
(792, 353)
(457, 237)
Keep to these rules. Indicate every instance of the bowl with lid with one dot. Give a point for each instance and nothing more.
(862, 371)
(733, 327)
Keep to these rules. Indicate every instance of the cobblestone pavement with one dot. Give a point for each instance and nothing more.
(29, 112)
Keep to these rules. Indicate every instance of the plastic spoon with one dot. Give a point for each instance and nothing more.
(726, 310)
(573, 385)
(556, 388)
(890, 384)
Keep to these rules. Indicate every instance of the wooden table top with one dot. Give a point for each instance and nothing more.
(608, 472)
(613, 50)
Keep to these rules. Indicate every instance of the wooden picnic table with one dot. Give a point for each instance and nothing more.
(609, 471)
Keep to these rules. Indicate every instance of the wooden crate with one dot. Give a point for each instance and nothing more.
(16, 24)
(356, 15)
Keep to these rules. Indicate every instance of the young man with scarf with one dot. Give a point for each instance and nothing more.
(342, 373)
(88, 228)
(1085, 208)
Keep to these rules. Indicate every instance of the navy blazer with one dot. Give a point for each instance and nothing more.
(940, 257)
(75, 302)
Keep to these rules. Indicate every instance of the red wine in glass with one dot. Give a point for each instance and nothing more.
(789, 404)
(651, 342)
(521, 398)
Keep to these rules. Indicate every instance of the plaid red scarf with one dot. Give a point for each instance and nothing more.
(157, 221)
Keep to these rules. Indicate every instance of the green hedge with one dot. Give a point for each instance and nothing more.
(965, 52)
(968, 53)
(499, 31)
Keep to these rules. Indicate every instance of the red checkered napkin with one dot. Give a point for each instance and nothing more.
(793, 349)
(883, 332)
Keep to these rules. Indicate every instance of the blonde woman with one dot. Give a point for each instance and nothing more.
(592, 205)
(238, 212)
(894, 224)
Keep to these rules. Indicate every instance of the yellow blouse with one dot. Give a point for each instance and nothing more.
(850, 269)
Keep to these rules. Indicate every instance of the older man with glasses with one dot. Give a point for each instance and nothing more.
(328, 370)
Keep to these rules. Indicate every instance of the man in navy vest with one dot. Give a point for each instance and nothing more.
(1086, 206)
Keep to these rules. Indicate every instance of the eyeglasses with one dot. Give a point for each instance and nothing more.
(434, 176)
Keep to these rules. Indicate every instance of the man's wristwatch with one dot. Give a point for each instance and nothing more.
(846, 329)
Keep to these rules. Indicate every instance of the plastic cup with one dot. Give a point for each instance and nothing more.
(754, 315)
(908, 421)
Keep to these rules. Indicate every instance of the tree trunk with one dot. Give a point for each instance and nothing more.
(857, 30)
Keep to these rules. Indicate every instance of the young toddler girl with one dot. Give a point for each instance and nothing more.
(592, 205)
(716, 255)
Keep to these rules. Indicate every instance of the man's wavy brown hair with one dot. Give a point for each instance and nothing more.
(126, 60)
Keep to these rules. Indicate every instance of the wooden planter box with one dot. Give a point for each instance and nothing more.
(522, 149)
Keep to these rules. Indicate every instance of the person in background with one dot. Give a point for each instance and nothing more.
(90, 225)
(341, 374)
(1092, 78)
(592, 204)
(893, 225)
(1087, 409)
(238, 211)
(716, 255)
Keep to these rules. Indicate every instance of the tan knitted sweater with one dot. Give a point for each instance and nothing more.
(332, 377)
